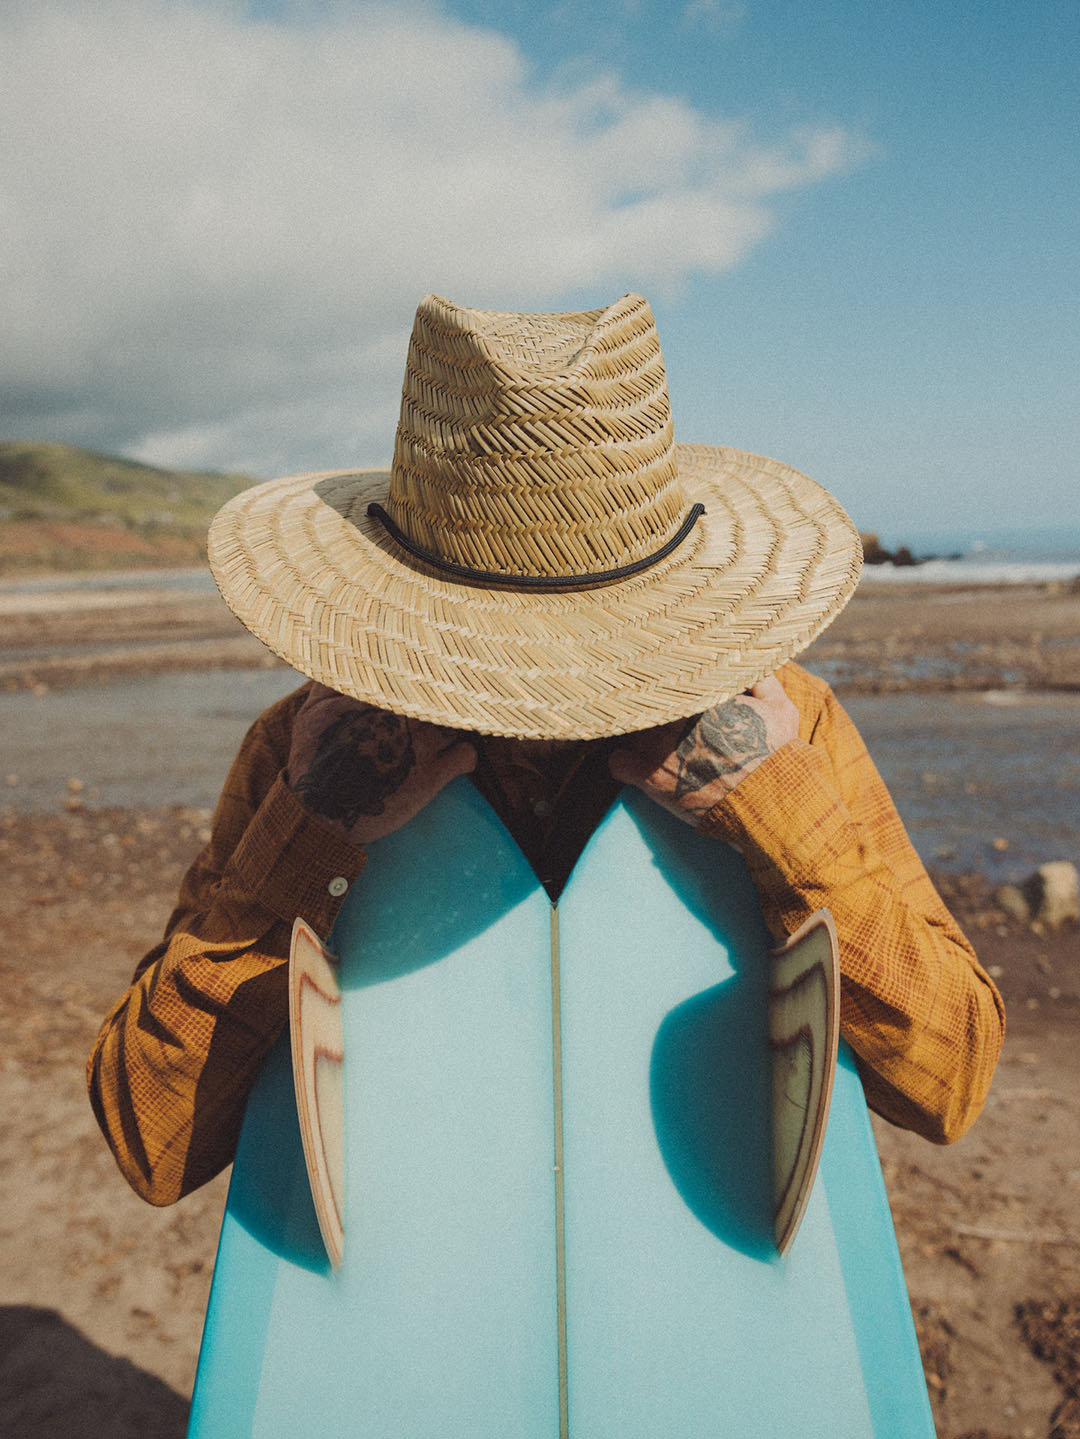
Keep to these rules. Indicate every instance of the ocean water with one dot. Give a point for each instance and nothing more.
(994, 557)
(975, 569)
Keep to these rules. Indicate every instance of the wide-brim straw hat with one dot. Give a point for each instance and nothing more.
(541, 560)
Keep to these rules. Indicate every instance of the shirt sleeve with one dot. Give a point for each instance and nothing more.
(817, 827)
(171, 1068)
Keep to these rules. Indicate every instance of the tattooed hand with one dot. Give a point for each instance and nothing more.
(688, 768)
(366, 770)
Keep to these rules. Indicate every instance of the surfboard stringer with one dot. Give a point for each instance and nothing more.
(804, 1036)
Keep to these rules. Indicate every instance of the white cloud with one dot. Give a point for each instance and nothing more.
(714, 14)
(215, 230)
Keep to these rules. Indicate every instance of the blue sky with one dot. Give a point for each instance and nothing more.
(858, 224)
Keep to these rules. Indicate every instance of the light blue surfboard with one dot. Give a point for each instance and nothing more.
(558, 1200)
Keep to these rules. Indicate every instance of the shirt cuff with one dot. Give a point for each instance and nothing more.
(787, 809)
(294, 863)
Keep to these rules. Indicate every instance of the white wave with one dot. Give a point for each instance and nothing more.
(975, 571)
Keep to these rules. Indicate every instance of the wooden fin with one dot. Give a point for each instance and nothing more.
(804, 1034)
(318, 1057)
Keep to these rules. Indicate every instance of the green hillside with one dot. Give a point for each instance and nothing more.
(63, 508)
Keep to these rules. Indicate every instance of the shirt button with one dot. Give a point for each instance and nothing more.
(541, 809)
(338, 885)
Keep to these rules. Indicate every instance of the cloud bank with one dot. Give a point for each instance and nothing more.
(215, 229)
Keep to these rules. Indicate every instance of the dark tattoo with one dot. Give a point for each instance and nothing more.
(363, 757)
(721, 742)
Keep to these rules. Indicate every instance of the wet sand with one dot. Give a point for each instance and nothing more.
(103, 1296)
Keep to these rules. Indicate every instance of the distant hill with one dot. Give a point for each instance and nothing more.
(63, 509)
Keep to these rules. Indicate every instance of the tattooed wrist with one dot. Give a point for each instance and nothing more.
(362, 758)
(721, 744)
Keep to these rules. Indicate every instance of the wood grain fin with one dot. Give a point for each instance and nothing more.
(804, 1034)
(318, 1057)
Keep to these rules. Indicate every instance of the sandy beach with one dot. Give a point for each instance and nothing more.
(103, 1296)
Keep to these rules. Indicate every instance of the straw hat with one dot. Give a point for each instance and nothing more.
(537, 561)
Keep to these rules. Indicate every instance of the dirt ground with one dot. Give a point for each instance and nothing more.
(103, 1297)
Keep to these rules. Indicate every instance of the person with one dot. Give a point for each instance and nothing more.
(556, 600)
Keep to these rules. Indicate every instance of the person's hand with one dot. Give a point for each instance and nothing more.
(690, 766)
(365, 770)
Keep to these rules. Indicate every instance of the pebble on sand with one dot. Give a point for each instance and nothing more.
(1049, 898)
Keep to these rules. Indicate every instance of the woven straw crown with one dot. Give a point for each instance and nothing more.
(536, 444)
(536, 562)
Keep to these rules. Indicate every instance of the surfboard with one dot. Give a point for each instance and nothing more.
(558, 1207)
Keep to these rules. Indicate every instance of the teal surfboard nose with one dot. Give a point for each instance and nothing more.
(559, 1188)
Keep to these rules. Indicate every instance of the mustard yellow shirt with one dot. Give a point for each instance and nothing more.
(174, 1060)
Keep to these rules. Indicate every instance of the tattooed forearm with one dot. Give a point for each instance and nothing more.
(723, 741)
(362, 758)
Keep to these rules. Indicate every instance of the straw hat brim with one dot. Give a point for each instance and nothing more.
(770, 563)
